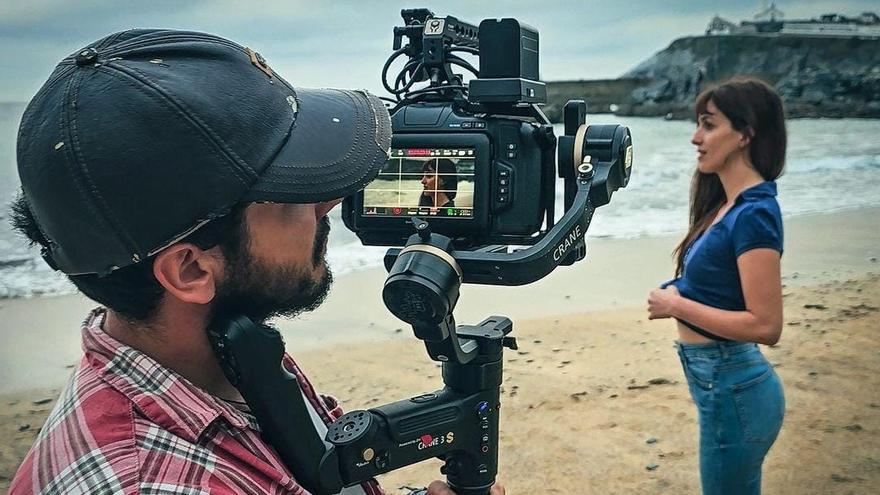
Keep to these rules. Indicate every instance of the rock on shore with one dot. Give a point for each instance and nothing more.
(816, 76)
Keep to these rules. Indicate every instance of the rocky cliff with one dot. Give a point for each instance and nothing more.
(816, 76)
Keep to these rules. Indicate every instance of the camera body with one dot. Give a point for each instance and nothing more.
(492, 163)
(475, 160)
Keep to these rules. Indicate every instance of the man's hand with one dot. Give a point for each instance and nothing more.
(662, 302)
(441, 488)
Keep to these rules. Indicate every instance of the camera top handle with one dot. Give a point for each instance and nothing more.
(430, 47)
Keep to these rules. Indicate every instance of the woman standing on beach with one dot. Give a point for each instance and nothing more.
(727, 296)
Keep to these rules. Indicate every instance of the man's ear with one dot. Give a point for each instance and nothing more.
(188, 272)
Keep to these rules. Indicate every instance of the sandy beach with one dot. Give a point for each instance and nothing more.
(594, 399)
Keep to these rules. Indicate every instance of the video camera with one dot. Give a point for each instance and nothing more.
(472, 173)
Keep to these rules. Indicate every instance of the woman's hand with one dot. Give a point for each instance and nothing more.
(441, 488)
(662, 302)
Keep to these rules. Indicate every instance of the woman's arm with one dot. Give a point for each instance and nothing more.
(761, 322)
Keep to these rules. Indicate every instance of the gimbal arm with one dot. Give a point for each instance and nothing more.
(562, 245)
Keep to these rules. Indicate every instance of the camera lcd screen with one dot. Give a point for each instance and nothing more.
(424, 182)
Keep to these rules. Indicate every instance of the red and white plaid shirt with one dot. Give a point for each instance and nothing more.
(125, 424)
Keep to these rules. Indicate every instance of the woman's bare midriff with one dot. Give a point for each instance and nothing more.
(689, 336)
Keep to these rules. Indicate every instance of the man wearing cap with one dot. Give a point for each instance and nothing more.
(173, 176)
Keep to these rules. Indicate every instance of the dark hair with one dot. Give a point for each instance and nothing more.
(133, 291)
(754, 109)
(444, 166)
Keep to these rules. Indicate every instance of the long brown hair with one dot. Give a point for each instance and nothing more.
(754, 109)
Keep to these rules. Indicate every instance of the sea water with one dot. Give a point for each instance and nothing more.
(832, 164)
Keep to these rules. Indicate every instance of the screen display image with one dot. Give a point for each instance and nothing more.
(424, 182)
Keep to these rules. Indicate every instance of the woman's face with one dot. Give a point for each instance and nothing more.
(716, 140)
(429, 180)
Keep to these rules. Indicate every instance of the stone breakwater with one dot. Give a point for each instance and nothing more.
(816, 76)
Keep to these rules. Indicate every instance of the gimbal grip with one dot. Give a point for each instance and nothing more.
(251, 358)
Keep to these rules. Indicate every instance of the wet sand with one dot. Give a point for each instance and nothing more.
(594, 400)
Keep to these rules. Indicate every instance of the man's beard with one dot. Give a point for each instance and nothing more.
(253, 289)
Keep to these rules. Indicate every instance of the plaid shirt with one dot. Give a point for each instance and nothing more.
(125, 424)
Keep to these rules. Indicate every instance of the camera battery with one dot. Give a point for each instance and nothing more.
(508, 49)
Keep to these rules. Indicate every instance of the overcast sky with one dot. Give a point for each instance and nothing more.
(344, 43)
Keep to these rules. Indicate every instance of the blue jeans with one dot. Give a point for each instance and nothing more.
(741, 405)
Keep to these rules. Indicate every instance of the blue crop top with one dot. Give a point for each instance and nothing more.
(711, 275)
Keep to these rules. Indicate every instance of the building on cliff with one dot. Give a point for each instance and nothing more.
(770, 22)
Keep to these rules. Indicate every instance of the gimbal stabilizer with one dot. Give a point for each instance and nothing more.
(459, 423)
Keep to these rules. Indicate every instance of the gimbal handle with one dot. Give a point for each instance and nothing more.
(251, 358)
(459, 423)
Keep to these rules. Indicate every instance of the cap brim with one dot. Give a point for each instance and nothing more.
(337, 145)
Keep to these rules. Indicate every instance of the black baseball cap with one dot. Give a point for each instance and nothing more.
(140, 138)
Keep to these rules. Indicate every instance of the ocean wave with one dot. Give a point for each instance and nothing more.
(817, 179)
(31, 277)
(27, 275)
(833, 163)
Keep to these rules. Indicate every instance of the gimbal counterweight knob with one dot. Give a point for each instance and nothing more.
(422, 285)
